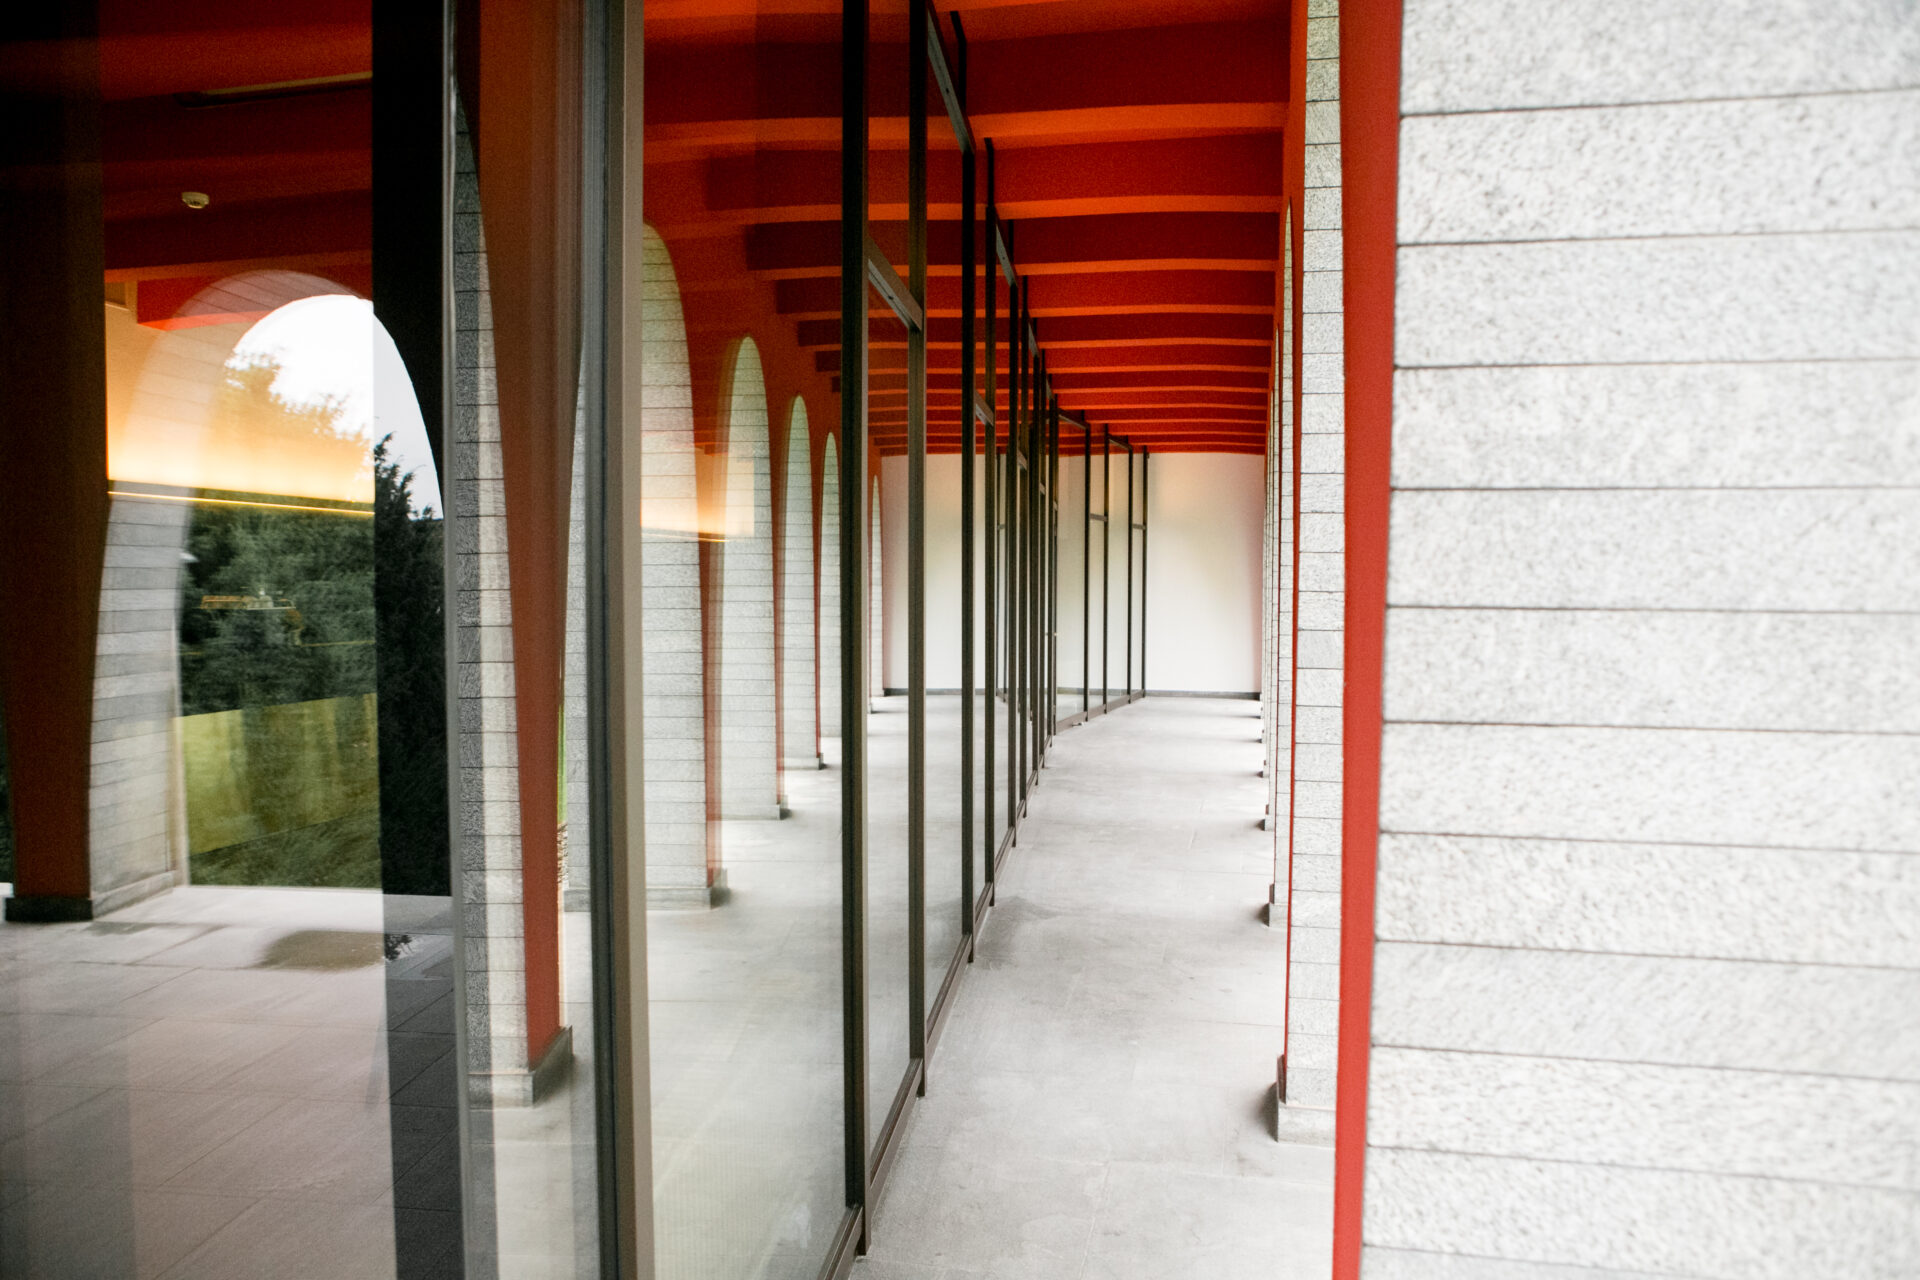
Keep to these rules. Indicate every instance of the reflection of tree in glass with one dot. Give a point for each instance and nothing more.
(413, 684)
(277, 603)
(252, 419)
(276, 624)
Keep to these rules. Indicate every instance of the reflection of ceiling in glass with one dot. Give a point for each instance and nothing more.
(294, 407)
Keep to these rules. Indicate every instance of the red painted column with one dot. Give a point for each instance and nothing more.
(1370, 152)
(53, 478)
(527, 131)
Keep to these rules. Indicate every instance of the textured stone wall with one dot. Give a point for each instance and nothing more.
(799, 725)
(577, 882)
(876, 601)
(1277, 672)
(1648, 958)
(1313, 978)
(136, 834)
(672, 662)
(489, 848)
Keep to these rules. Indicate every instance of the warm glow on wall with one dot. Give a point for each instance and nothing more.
(289, 406)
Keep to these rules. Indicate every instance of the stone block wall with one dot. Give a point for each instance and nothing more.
(488, 856)
(876, 600)
(799, 723)
(747, 695)
(830, 590)
(1648, 962)
(1313, 977)
(136, 834)
(672, 658)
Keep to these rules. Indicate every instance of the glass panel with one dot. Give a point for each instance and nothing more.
(1139, 622)
(6, 814)
(888, 1019)
(740, 562)
(1073, 548)
(946, 851)
(227, 967)
(1116, 574)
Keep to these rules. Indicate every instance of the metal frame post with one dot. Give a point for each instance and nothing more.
(917, 540)
(990, 660)
(853, 594)
(969, 417)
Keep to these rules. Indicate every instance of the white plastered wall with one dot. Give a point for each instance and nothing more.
(1648, 965)
(1203, 573)
(1203, 576)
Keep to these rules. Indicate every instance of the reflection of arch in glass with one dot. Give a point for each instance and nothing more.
(673, 710)
(830, 588)
(749, 776)
(876, 600)
(799, 725)
(238, 429)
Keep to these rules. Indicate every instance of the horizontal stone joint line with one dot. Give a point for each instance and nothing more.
(1795, 96)
(1686, 957)
(1647, 1168)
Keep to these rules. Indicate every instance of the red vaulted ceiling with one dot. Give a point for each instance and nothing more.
(290, 177)
(1138, 159)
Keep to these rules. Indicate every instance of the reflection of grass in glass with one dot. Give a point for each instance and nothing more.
(267, 785)
(341, 854)
(279, 740)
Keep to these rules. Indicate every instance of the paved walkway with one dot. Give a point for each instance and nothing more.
(1100, 1105)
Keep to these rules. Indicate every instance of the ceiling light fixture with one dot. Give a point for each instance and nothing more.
(194, 199)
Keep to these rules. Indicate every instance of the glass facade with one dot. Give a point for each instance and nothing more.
(549, 627)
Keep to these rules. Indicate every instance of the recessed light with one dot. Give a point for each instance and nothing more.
(194, 199)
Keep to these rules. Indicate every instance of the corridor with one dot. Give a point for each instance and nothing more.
(1101, 1104)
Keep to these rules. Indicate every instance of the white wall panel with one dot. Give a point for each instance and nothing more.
(1757, 1124)
(1814, 906)
(1203, 573)
(1676, 1223)
(1472, 55)
(1410, 1264)
(1623, 426)
(1799, 297)
(1823, 1019)
(1561, 175)
(1805, 549)
(1671, 669)
(1785, 790)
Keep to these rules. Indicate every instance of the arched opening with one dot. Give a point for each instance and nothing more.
(673, 778)
(799, 721)
(829, 544)
(876, 601)
(259, 440)
(743, 613)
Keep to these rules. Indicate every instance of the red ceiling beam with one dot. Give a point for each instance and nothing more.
(1142, 82)
(1127, 359)
(188, 46)
(1226, 174)
(1081, 331)
(1206, 241)
(1092, 293)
